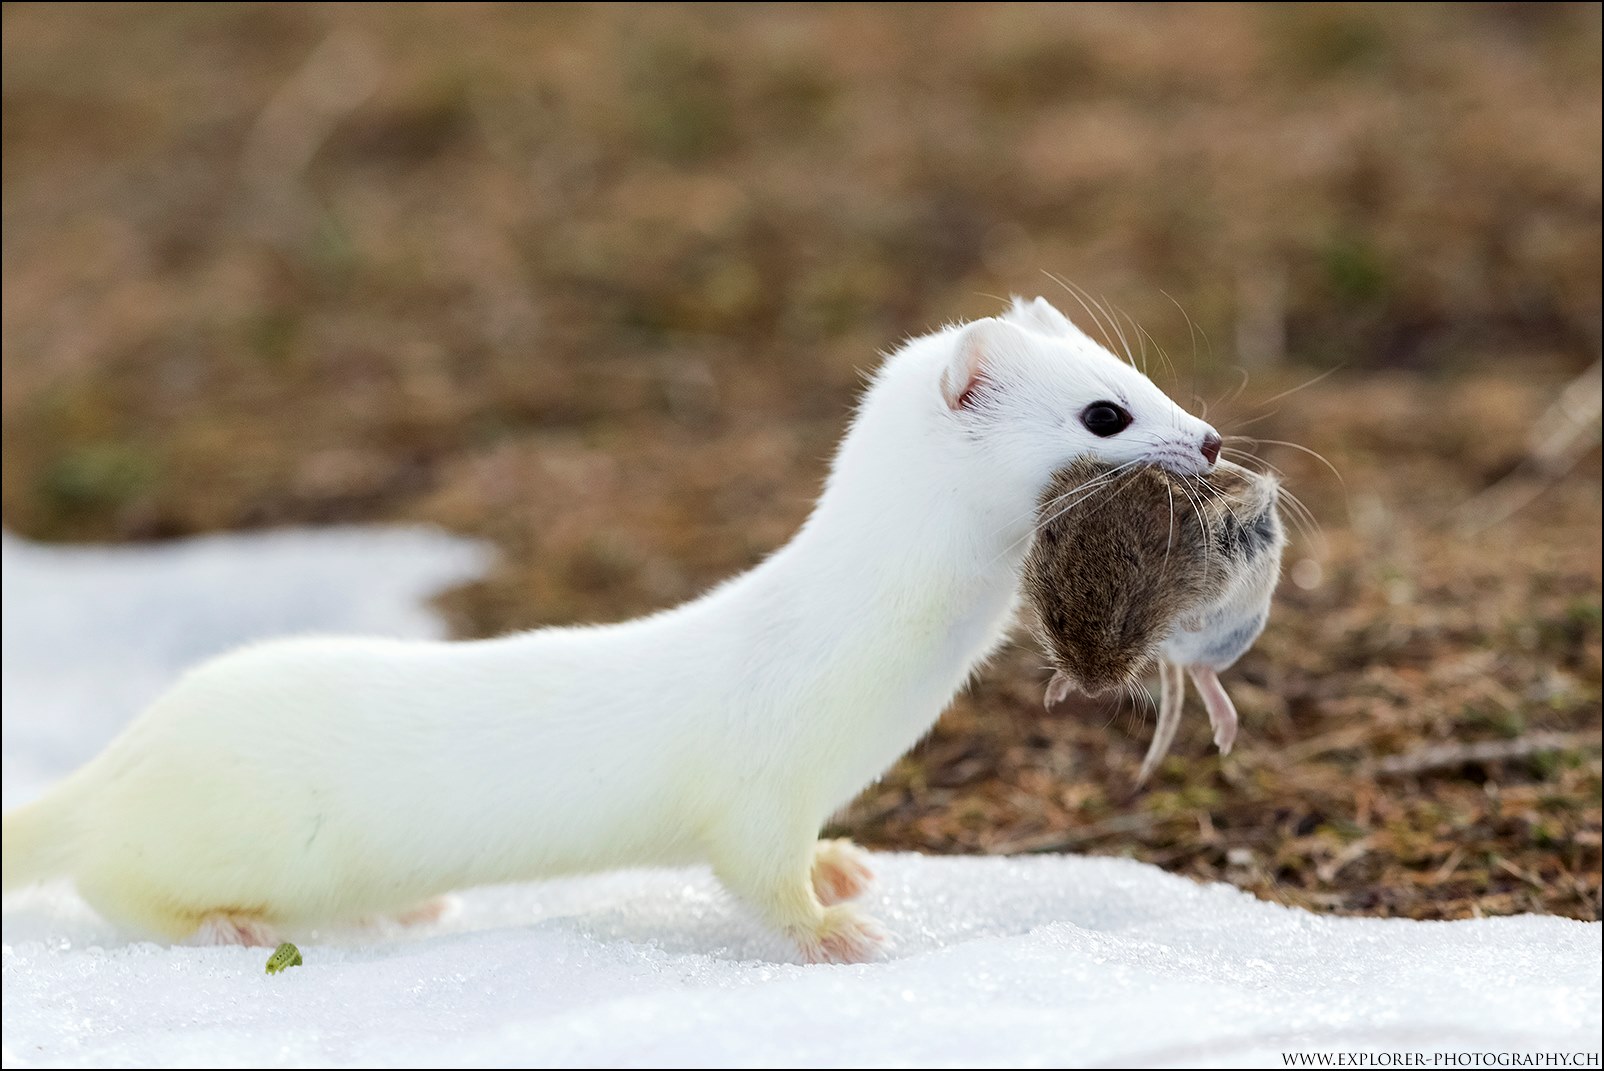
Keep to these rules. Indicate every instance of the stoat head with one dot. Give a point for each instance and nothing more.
(1036, 391)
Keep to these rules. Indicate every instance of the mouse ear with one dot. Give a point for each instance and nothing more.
(1058, 690)
(1039, 314)
(975, 353)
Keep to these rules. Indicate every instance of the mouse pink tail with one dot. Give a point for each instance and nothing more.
(35, 842)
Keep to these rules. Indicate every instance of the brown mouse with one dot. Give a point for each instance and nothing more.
(1180, 569)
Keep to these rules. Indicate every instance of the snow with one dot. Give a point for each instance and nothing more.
(1043, 961)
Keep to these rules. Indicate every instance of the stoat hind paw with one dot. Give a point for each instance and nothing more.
(234, 930)
(844, 935)
(841, 871)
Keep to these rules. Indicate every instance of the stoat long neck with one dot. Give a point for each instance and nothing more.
(908, 488)
(901, 581)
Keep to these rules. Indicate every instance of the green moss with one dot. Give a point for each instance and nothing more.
(798, 98)
(1331, 40)
(1354, 270)
(271, 336)
(680, 101)
(284, 957)
(1506, 722)
(97, 478)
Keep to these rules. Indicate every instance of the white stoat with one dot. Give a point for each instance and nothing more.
(320, 780)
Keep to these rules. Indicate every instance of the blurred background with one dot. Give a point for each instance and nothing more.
(598, 284)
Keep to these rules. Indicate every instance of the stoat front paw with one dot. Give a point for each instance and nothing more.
(840, 871)
(844, 935)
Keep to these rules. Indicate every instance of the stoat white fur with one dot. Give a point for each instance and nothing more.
(320, 780)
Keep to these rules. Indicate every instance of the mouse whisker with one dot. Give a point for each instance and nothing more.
(1301, 517)
(1296, 506)
(1141, 699)
(1304, 519)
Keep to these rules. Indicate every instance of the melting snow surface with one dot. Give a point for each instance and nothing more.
(1045, 961)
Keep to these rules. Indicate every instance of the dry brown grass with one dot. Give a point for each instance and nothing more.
(597, 284)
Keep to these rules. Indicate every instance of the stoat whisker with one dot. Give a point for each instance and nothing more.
(1109, 310)
(1084, 493)
(1204, 492)
(1103, 478)
(1208, 544)
(1230, 396)
(1141, 339)
(1102, 491)
(1059, 499)
(1079, 494)
(1244, 457)
(1075, 292)
(1256, 419)
(1194, 329)
(1309, 383)
(1169, 532)
(1196, 481)
(1317, 455)
(1158, 347)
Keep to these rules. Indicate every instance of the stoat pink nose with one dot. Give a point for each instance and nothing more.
(1211, 448)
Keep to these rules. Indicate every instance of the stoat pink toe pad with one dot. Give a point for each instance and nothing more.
(840, 871)
(845, 935)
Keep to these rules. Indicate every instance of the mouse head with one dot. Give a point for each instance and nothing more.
(1240, 511)
(1245, 539)
(1039, 394)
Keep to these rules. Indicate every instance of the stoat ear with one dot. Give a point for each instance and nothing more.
(1039, 314)
(974, 355)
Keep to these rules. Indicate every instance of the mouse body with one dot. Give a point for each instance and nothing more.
(1142, 565)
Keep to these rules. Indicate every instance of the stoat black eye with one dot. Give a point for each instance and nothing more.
(1105, 418)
